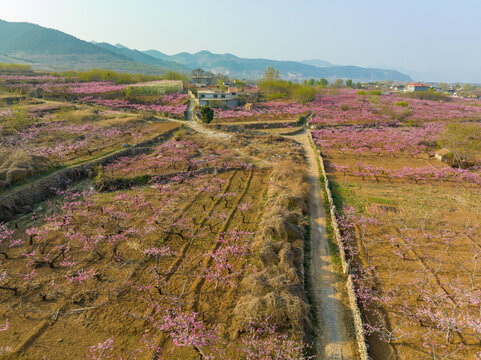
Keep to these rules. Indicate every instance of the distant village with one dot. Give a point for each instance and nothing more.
(452, 90)
(218, 91)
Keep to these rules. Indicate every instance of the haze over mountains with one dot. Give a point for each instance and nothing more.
(50, 49)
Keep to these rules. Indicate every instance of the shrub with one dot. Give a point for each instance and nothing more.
(301, 120)
(338, 84)
(303, 94)
(402, 103)
(375, 92)
(427, 95)
(206, 114)
(412, 122)
(275, 87)
(463, 140)
(16, 120)
(179, 133)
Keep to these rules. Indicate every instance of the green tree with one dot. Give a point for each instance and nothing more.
(206, 114)
(349, 83)
(323, 82)
(271, 74)
(173, 75)
(275, 88)
(339, 83)
(303, 94)
(463, 140)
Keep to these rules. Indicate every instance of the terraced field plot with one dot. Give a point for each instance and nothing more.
(41, 138)
(411, 228)
(149, 257)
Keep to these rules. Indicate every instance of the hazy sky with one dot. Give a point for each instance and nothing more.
(435, 38)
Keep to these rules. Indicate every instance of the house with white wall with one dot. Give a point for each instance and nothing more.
(218, 96)
(415, 87)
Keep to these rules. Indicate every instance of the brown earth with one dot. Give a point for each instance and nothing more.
(432, 207)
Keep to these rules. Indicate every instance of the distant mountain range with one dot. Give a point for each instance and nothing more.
(254, 68)
(50, 49)
(317, 62)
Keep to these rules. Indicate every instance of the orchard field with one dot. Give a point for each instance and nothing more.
(64, 127)
(410, 225)
(347, 106)
(158, 266)
(191, 246)
(171, 239)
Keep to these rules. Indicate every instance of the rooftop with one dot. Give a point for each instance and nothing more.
(214, 91)
(417, 84)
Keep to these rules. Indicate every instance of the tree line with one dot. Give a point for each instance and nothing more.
(274, 87)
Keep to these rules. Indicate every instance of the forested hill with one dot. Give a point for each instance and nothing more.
(50, 49)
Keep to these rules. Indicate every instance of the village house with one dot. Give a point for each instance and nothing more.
(218, 96)
(398, 87)
(248, 94)
(415, 87)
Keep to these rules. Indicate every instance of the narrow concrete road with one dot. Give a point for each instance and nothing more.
(336, 338)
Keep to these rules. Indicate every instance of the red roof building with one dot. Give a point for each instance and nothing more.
(412, 87)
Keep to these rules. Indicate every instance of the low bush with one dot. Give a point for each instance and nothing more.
(427, 95)
(303, 94)
(206, 114)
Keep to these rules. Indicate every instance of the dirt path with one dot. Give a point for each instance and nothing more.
(336, 339)
(190, 122)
